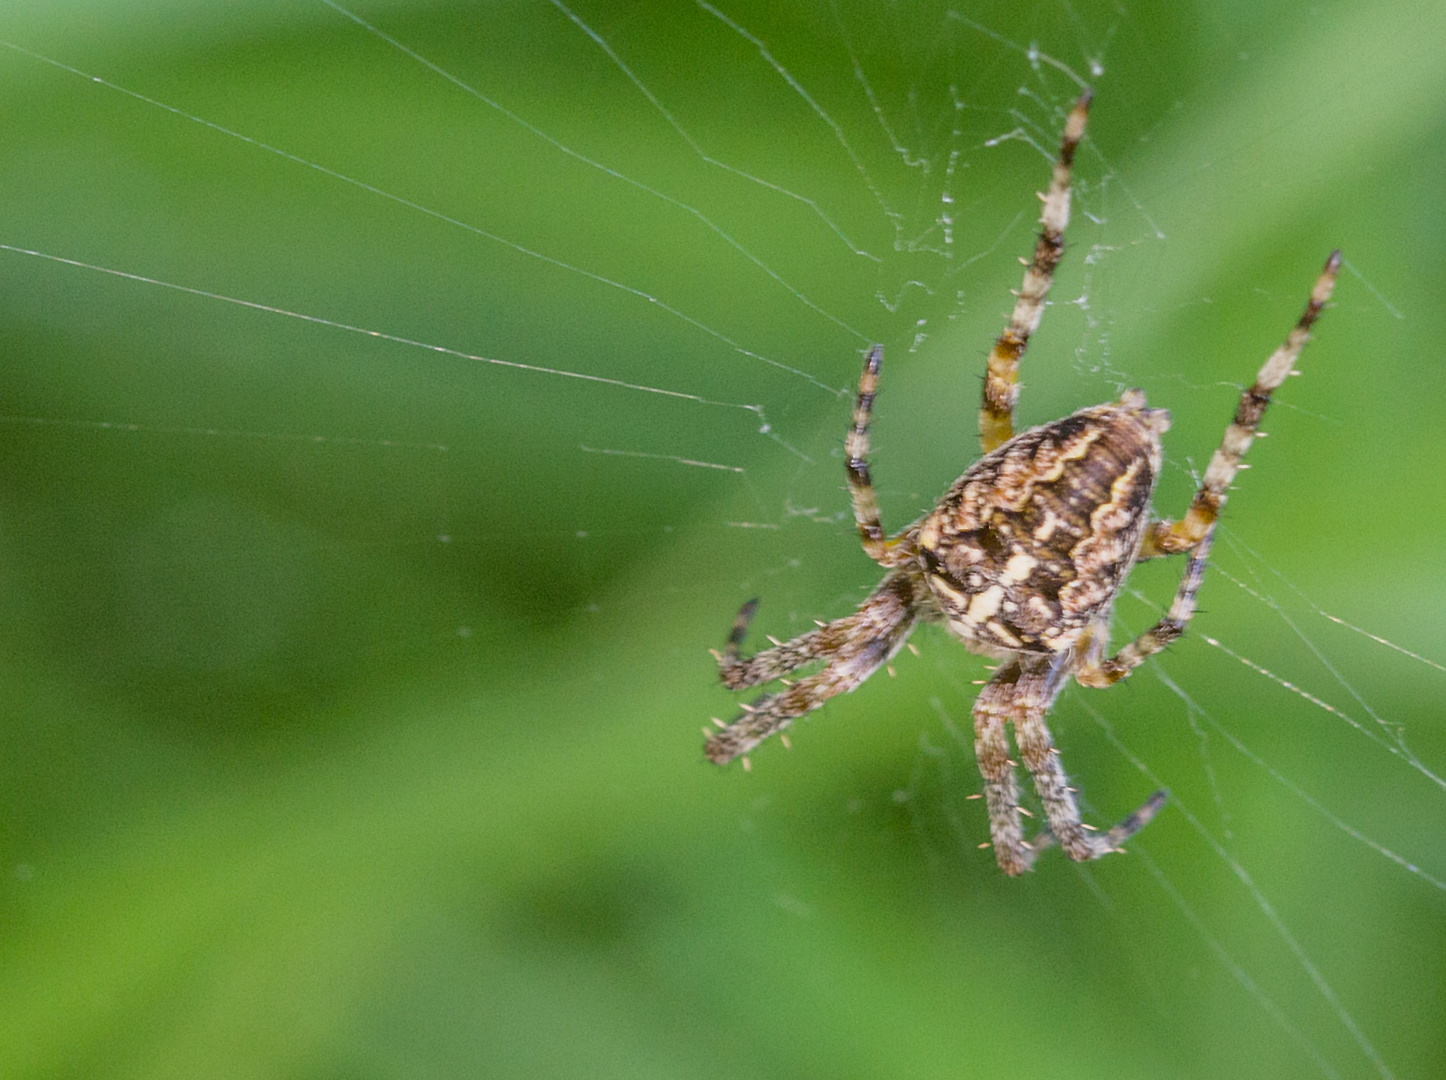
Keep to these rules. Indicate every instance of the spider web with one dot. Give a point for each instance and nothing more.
(537, 333)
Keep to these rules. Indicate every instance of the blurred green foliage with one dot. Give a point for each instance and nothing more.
(351, 695)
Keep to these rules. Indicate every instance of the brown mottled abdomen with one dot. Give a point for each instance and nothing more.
(1029, 546)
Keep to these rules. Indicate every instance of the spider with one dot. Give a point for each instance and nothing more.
(1021, 560)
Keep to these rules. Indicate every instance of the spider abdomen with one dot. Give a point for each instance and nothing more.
(1031, 544)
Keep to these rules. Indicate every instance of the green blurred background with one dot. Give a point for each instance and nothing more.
(351, 695)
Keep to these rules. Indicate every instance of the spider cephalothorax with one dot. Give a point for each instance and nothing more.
(1021, 560)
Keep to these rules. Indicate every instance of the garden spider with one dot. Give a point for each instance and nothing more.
(1021, 560)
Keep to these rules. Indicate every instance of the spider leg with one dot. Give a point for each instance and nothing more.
(888, 552)
(853, 647)
(1080, 842)
(1101, 844)
(1169, 537)
(1001, 378)
(740, 672)
(1164, 633)
(994, 708)
(1021, 693)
